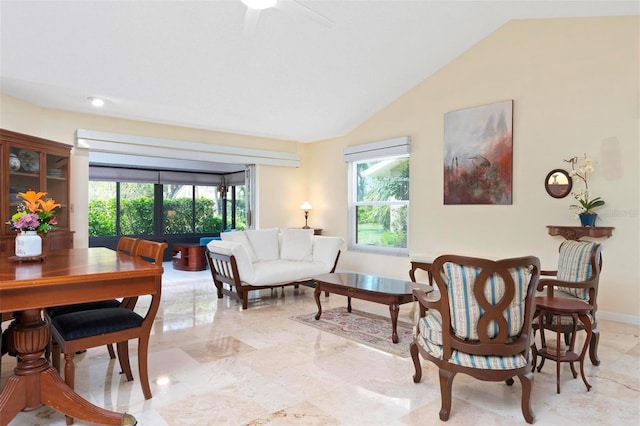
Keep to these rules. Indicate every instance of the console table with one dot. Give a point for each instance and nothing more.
(577, 232)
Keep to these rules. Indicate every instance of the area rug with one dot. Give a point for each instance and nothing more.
(362, 327)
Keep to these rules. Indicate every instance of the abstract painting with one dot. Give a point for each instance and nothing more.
(478, 154)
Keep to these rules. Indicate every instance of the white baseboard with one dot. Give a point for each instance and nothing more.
(612, 316)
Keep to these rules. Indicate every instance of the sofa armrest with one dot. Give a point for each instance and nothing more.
(243, 262)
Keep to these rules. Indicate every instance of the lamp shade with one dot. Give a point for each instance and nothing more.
(306, 206)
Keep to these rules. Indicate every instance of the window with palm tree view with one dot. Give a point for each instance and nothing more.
(380, 204)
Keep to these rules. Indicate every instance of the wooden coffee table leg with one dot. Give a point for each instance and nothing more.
(316, 295)
(394, 309)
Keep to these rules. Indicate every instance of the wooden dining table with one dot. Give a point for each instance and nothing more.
(63, 277)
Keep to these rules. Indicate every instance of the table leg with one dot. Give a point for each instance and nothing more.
(572, 342)
(316, 295)
(558, 326)
(35, 382)
(587, 326)
(349, 304)
(394, 308)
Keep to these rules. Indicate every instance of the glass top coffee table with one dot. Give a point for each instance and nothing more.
(371, 288)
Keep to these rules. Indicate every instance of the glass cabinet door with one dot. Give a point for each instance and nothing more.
(56, 176)
(24, 174)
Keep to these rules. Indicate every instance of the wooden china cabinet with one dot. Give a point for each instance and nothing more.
(29, 162)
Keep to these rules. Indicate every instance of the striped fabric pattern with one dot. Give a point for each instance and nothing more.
(472, 361)
(430, 327)
(488, 362)
(574, 265)
(465, 310)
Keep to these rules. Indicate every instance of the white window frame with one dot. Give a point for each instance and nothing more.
(353, 203)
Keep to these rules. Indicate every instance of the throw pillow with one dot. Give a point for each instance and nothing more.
(241, 238)
(264, 243)
(297, 244)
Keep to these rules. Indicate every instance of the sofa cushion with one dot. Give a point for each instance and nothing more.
(264, 243)
(297, 244)
(325, 249)
(240, 238)
(285, 271)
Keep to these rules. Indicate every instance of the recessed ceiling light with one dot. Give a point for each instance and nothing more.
(259, 4)
(96, 102)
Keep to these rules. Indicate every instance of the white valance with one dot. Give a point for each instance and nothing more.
(116, 143)
(385, 148)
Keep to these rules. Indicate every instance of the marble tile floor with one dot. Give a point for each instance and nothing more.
(213, 364)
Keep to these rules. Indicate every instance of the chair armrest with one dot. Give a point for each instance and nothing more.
(568, 284)
(549, 273)
(430, 300)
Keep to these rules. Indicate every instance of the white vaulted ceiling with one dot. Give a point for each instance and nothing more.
(191, 63)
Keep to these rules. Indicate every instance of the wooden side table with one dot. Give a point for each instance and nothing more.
(560, 306)
(423, 264)
(189, 257)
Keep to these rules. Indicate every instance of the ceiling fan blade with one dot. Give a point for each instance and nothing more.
(300, 8)
(251, 21)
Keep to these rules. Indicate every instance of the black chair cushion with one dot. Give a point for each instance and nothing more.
(54, 311)
(77, 325)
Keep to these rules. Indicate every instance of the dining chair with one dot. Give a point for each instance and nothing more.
(478, 323)
(127, 246)
(86, 329)
(577, 276)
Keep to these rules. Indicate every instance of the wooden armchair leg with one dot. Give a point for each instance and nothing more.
(446, 385)
(143, 350)
(123, 357)
(112, 354)
(593, 347)
(413, 348)
(69, 374)
(55, 355)
(527, 381)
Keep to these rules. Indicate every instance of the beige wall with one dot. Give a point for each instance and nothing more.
(575, 88)
(282, 189)
(574, 83)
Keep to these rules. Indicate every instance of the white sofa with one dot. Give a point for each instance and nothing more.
(267, 258)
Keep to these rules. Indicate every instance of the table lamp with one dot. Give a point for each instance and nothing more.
(306, 206)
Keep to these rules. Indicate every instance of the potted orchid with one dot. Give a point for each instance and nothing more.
(580, 169)
(35, 214)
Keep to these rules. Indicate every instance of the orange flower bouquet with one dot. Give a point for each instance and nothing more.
(35, 213)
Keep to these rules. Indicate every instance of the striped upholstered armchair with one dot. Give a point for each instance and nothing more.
(578, 275)
(480, 325)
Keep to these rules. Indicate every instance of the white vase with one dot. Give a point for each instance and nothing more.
(28, 244)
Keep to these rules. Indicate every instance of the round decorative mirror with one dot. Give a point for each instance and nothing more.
(558, 183)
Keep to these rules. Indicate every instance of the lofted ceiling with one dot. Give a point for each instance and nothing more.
(291, 76)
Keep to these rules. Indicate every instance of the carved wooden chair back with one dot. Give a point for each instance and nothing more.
(127, 245)
(82, 330)
(481, 324)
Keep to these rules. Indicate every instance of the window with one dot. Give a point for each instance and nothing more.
(379, 196)
(379, 204)
(163, 205)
